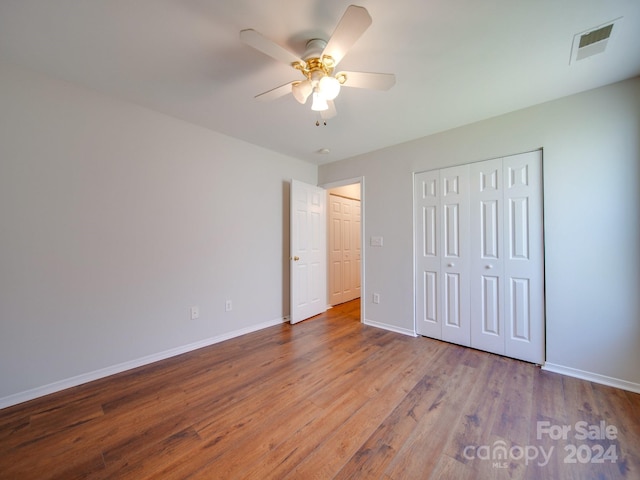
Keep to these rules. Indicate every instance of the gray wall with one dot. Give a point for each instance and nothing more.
(114, 221)
(591, 163)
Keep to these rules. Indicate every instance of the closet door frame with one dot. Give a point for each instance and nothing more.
(504, 266)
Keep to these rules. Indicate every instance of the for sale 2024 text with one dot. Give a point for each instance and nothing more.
(592, 452)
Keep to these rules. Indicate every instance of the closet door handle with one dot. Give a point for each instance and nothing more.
(451, 264)
(488, 267)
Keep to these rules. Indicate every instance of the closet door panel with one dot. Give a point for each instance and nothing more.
(427, 254)
(454, 207)
(487, 285)
(524, 271)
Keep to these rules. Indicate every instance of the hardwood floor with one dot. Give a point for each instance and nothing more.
(325, 398)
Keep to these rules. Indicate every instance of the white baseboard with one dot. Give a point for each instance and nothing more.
(122, 367)
(592, 377)
(391, 328)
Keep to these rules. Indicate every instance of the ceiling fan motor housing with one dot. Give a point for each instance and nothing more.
(315, 65)
(314, 48)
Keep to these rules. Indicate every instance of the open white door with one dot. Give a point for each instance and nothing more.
(308, 251)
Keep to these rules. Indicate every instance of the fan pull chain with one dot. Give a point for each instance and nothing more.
(324, 122)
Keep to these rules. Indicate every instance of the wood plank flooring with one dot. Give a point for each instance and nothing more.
(326, 398)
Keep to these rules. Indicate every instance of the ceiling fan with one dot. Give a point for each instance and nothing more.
(318, 63)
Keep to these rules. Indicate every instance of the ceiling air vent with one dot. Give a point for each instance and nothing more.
(593, 41)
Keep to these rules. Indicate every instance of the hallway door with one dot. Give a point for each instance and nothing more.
(308, 251)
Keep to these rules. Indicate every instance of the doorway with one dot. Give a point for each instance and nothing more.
(345, 252)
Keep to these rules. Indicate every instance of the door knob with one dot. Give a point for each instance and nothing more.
(488, 267)
(295, 259)
(451, 264)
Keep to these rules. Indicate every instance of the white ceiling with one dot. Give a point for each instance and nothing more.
(456, 61)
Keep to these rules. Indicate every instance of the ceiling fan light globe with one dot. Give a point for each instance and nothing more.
(330, 87)
(301, 91)
(319, 102)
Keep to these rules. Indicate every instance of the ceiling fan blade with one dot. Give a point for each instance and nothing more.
(330, 112)
(352, 25)
(268, 47)
(374, 81)
(274, 93)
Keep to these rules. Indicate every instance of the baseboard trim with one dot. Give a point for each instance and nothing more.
(592, 377)
(54, 387)
(391, 328)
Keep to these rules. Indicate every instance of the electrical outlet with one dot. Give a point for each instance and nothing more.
(376, 298)
(195, 312)
(228, 306)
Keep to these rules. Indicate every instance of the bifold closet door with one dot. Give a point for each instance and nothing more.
(487, 256)
(524, 257)
(454, 258)
(507, 291)
(442, 258)
(479, 256)
(427, 254)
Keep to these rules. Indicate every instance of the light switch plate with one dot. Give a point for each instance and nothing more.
(376, 241)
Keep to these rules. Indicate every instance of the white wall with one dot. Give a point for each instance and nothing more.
(591, 165)
(114, 220)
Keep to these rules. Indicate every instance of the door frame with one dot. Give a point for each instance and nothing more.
(341, 183)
